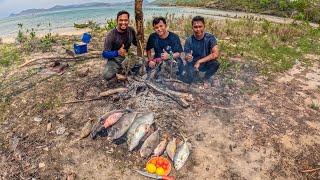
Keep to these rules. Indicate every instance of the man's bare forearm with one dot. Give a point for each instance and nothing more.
(213, 56)
(149, 54)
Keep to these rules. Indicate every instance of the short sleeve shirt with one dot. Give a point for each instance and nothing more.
(171, 43)
(200, 48)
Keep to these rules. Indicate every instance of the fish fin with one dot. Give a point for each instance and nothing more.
(184, 137)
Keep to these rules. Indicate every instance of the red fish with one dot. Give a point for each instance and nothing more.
(112, 119)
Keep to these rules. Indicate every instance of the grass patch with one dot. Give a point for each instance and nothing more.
(314, 106)
(249, 89)
(4, 105)
(9, 55)
(273, 47)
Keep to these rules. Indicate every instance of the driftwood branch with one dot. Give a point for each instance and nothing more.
(185, 96)
(113, 91)
(83, 100)
(102, 95)
(310, 170)
(179, 100)
(58, 59)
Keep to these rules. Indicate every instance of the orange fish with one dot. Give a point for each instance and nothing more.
(112, 119)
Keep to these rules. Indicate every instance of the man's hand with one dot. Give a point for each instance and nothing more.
(197, 65)
(152, 64)
(122, 51)
(164, 55)
(189, 56)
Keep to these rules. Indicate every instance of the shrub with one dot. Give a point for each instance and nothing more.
(46, 42)
(111, 24)
(8, 55)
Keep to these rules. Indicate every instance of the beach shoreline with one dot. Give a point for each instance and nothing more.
(60, 32)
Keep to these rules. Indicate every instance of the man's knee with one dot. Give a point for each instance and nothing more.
(107, 75)
(110, 70)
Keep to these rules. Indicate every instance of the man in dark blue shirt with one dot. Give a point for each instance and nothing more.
(166, 45)
(201, 51)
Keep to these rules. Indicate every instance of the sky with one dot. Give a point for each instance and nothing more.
(14, 6)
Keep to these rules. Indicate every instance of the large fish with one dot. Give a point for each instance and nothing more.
(122, 126)
(181, 156)
(138, 129)
(158, 151)
(149, 144)
(99, 126)
(171, 148)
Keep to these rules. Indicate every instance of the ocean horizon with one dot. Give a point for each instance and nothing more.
(62, 21)
(57, 21)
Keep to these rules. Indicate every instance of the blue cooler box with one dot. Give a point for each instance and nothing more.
(81, 48)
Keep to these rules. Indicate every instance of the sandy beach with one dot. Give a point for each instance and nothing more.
(61, 31)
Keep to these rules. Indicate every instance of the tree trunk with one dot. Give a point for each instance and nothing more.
(139, 25)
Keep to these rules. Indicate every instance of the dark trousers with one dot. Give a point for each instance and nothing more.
(163, 69)
(187, 73)
(114, 66)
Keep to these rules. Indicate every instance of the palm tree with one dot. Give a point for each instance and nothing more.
(139, 26)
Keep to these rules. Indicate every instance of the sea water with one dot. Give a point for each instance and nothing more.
(52, 21)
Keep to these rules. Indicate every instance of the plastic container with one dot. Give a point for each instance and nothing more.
(86, 38)
(155, 158)
(82, 47)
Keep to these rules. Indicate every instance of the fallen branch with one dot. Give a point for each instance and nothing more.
(225, 108)
(173, 80)
(101, 95)
(185, 96)
(310, 170)
(61, 59)
(179, 100)
(113, 91)
(46, 58)
(83, 100)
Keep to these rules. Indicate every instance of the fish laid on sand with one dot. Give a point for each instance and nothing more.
(138, 129)
(158, 151)
(141, 131)
(99, 126)
(181, 156)
(112, 119)
(85, 131)
(149, 144)
(171, 148)
(122, 126)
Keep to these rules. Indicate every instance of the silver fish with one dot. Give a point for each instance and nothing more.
(137, 136)
(160, 148)
(149, 144)
(181, 156)
(171, 148)
(147, 118)
(133, 132)
(122, 126)
(99, 126)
